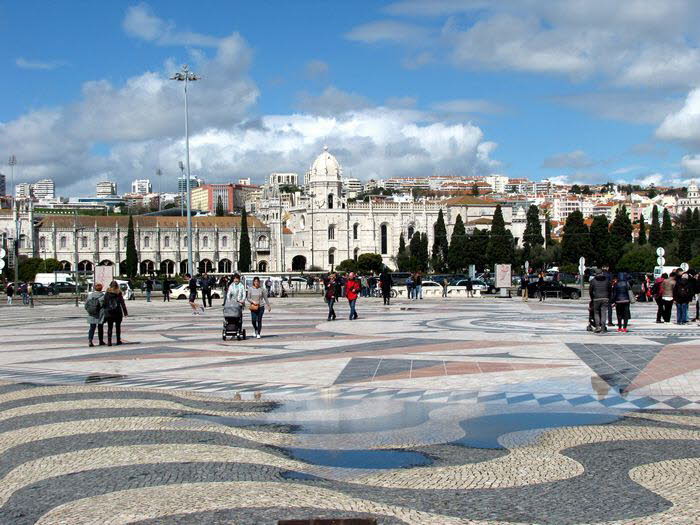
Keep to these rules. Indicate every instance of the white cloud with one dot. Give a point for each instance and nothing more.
(467, 105)
(42, 65)
(633, 43)
(691, 165)
(576, 159)
(316, 68)
(388, 30)
(417, 61)
(626, 169)
(141, 22)
(331, 101)
(683, 125)
(634, 107)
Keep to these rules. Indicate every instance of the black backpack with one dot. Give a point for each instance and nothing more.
(111, 304)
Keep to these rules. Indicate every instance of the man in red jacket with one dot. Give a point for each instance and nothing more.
(352, 291)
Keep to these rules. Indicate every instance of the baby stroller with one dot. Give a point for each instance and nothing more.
(233, 322)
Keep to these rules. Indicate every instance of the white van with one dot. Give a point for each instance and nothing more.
(57, 277)
(659, 270)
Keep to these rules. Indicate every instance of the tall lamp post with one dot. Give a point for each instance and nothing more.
(187, 76)
(12, 162)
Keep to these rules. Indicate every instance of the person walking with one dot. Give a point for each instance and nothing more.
(445, 284)
(234, 300)
(385, 283)
(149, 289)
(621, 292)
(10, 292)
(257, 299)
(332, 294)
(469, 286)
(192, 287)
(364, 287)
(166, 289)
(372, 283)
(94, 305)
(115, 311)
(206, 291)
(667, 288)
(599, 292)
(418, 283)
(131, 296)
(682, 295)
(540, 287)
(524, 282)
(657, 294)
(409, 286)
(352, 292)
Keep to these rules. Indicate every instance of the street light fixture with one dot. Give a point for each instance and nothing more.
(187, 76)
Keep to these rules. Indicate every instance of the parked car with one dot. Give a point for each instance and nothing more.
(551, 288)
(477, 285)
(40, 289)
(59, 288)
(431, 284)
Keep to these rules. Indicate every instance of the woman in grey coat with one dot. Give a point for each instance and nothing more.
(94, 304)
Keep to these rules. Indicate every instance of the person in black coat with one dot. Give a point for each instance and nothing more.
(115, 311)
(386, 282)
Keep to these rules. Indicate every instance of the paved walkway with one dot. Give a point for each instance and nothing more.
(480, 411)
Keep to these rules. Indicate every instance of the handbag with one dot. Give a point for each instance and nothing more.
(254, 307)
(633, 298)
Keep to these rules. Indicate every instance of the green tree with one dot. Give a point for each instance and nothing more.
(575, 189)
(440, 245)
(547, 229)
(500, 249)
(600, 240)
(642, 239)
(655, 235)
(423, 257)
(533, 230)
(638, 259)
(475, 188)
(477, 246)
(686, 236)
(403, 258)
(219, 207)
(132, 264)
(414, 249)
(370, 262)
(576, 240)
(667, 233)
(620, 235)
(457, 254)
(347, 265)
(244, 253)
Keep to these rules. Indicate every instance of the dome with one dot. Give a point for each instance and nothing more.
(325, 167)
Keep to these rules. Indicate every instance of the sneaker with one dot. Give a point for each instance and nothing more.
(624, 330)
(598, 329)
(91, 344)
(619, 329)
(257, 336)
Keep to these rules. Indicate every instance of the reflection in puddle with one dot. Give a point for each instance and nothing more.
(98, 378)
(483, 431)
(367, 459)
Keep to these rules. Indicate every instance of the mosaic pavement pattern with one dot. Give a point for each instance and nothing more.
(483, 411)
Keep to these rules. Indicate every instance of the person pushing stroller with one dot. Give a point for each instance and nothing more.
(233, 309)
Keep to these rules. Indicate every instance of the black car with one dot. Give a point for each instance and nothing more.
(554, 289)
(59, 288)
(39, 289)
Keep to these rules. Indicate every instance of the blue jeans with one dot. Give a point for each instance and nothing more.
(256, 318)
(331, 311)
(353, 313)
(418, 292)
(148, 296)
(681, 313)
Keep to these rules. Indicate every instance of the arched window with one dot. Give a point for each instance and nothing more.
(42, 243)
(331, 257)
(62, 242)
(146, 242)
(205, 242)
(166, 243)
(331, 232)
(224, 241)
(105, 242)
(302, 223)
(184, 241)
(355, 231)
(330, 201)
(83, 242)
(356, 254)
(384, 239)
(411, 231)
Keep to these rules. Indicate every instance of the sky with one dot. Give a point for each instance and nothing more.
(577, 91)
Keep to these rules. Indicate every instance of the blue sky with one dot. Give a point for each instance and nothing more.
(573, 90)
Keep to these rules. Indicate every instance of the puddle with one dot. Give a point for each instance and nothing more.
(97, 378)
(363, 459)
(483, 431)
(237, 422)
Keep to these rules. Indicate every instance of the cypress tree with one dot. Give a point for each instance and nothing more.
(600, 240)
(219, 207)
(132, 263)
(576, 240)
(456, 256)
(440, 245)
(667, 233)
(620, 235)
(547, 229)
(423, 254)
(642, 239)
(414, 249)
(685, 236)
(244, 254)
(480, 240)
(533, 230)
(500, 249)
(655, 236)
(402, 257)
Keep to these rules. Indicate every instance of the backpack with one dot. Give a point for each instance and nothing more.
(111, 304)
(656, 288)
(93, 306)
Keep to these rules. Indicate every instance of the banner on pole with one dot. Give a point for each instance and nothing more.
(104, 275)
(503, 276)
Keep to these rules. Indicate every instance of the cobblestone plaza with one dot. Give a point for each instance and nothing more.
(435, 412)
